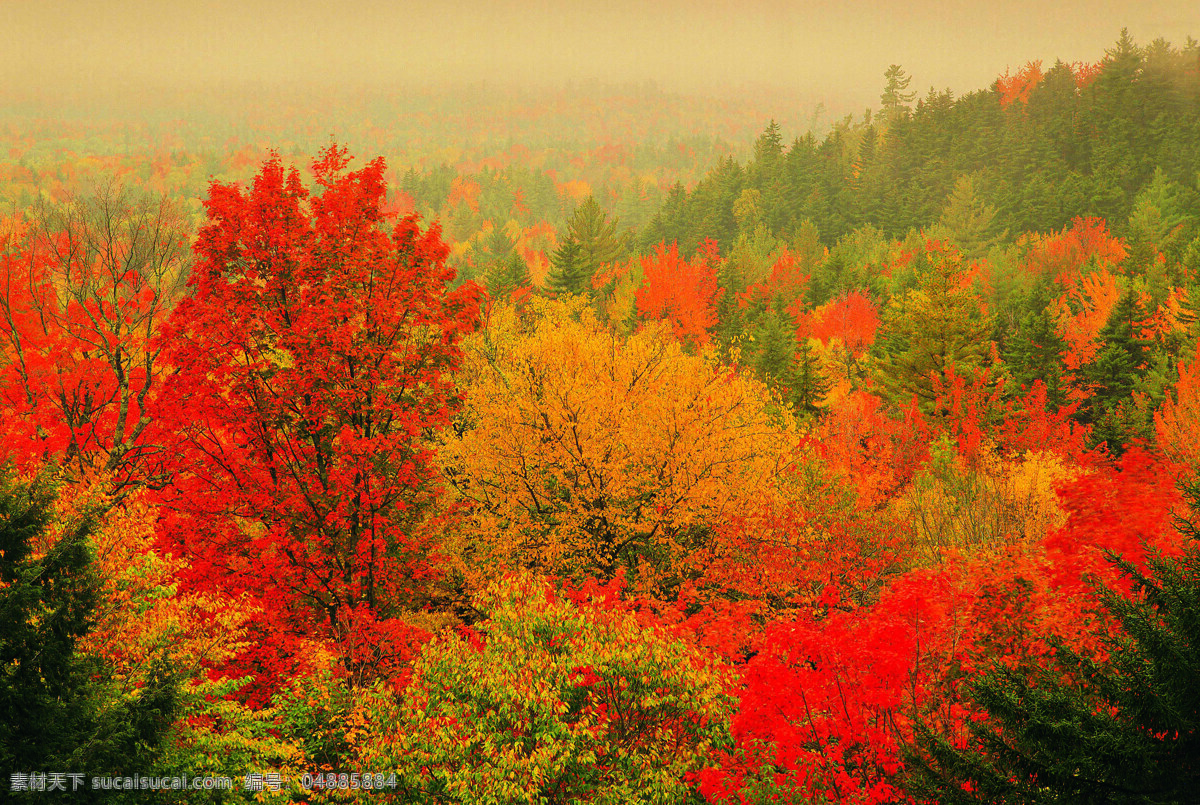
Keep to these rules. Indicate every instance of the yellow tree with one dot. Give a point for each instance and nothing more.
(141, 613)
(581, 452)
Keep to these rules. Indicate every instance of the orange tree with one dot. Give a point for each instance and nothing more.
(581, 452)
(679, 291)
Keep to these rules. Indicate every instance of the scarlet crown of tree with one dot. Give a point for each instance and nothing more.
(312, 363)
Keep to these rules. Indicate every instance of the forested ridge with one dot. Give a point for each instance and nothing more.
(1041, 146)
(600, 465)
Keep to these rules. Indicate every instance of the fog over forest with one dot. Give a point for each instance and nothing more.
(829, 52)
(607, 402)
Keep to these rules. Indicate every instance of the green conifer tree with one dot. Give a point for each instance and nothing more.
(568, 273)
(931, 328)
(591, 241)
(774, 347)
(895, 99)
(508, 276)
(497, 246)
(1158, 223)
(1120, 362)
(57, 712)
(1034, 350)
(968, 220)
(807, 381)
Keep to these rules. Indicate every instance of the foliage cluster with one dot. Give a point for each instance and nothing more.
(711, 510)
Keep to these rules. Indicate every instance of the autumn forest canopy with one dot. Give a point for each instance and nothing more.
(610, 445)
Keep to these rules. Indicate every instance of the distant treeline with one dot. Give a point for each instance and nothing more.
(1042, 148)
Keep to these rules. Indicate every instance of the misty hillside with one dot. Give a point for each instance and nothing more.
(430, 406)
(1039, 147)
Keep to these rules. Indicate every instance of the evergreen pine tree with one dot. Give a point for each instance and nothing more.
(568, 273)
(497, 246)
(597, 236)
(56, 710)
(508, 276)
(936, 326)
(672, 223)
(591, 241)
(1158, 223)
(731, 320)
(968, 220)
(895, 99)
(768, 149)
(767, 175)
(46, 605)
(1115, 373)
(774, 347)
(1034, 351)
(807, 381)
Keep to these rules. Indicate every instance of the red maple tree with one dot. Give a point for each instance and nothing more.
(1018, 87)
(852, 317)
(312, 363)
(85, 285)
(682, 292)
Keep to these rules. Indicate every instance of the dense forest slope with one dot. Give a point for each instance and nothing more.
(517, 468)
(1047, 228)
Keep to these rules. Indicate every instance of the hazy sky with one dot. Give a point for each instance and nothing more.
(821, 49)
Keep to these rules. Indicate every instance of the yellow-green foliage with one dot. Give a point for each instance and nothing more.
(550, 702)
(981, 509)
(220, 737)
